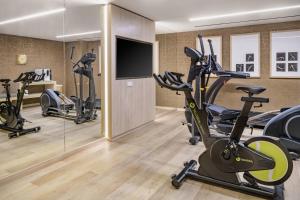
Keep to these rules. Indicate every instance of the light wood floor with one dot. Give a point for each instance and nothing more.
(57, 135)
(137, 166)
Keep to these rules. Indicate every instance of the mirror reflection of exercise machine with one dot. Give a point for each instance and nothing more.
(75, 108)
(10, 115)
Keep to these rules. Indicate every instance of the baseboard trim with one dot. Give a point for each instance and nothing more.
(130, 131)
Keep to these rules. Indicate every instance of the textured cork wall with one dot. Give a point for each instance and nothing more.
(282, 92)
(45, 54)
(40, 54)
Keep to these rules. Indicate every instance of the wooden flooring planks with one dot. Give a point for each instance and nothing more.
(136, 166)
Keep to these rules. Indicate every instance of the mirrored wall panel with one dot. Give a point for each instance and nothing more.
(83, 43)
(32, 60)
(50, 80)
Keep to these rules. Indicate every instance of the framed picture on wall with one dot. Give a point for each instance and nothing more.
(217, 45)
(250, 57)
(280, 56)
(245, 53)
(239, 67)
(280, 67)
(285, 49)
(250, 67)
(293, 56)
(293, 67)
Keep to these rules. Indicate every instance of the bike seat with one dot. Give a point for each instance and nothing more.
(251, 89)
(4, 80)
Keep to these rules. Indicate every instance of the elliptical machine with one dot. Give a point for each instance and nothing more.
(10, 115)
(262, 160)
(56, 104)
(85, 109)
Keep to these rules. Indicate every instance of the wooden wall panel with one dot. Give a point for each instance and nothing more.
(282, 92)
(130, 106)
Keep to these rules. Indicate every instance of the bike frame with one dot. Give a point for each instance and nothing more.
(200, 115)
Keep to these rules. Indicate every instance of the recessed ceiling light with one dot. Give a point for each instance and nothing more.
(78, 34)
(244, 13)
(35, 15)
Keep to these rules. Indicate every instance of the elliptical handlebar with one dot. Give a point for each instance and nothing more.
(201, 44)
(72, 52)
(86, 59)
(211, 48)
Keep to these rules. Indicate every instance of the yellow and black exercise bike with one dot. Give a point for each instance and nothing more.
(263, 161)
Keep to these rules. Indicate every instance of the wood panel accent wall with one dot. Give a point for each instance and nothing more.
(130, 106)
(40, 54)
(282, 92)
(81, 47)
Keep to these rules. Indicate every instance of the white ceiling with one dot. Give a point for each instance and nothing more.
(80, 16)
(170, 15)
(173, 15)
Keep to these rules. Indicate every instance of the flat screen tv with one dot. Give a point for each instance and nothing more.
(134, 59)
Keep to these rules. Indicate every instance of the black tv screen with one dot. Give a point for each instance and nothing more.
(134, 59)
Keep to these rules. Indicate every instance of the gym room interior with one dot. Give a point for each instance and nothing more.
(139, 99)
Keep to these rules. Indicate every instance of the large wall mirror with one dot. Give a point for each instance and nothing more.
(83, 43)
(50, 60)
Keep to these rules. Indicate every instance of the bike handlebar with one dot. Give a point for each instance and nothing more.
(29, 77)
(39, 77)
(162, 81)
(174, 77)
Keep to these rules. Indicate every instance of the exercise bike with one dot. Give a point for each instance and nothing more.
(74, 108)
(10, 116)
(284, 125)
(264, 161)
(223, 77)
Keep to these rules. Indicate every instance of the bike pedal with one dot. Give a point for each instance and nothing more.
(250, 179)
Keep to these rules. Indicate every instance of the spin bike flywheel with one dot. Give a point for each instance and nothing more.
(8, 116)
(275, 150)
(243, 159)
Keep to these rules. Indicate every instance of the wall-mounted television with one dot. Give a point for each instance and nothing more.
(134, 58)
